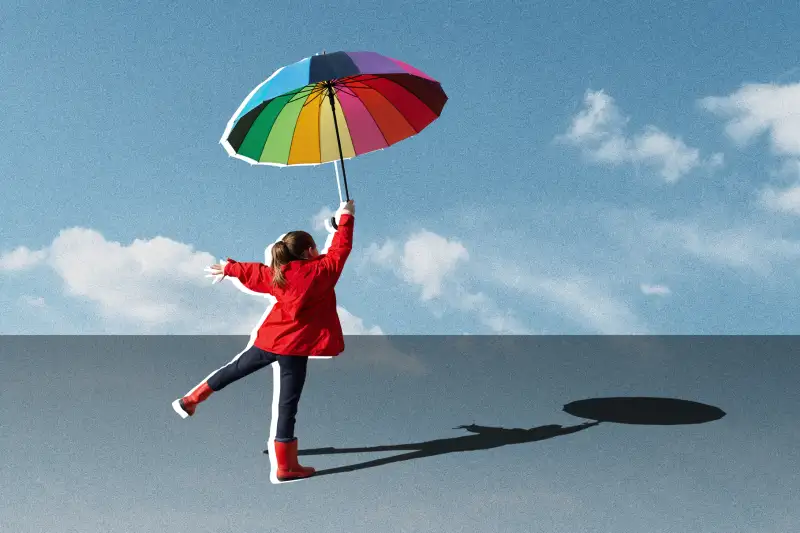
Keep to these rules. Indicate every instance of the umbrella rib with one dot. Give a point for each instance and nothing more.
(385, 140)
(412, 93)
(319, 93)
(390, 78)
(310, 90)
(320, 98)
(395, 107)
(358, 83)
(342, 89)
(344, 119)
(358, 77)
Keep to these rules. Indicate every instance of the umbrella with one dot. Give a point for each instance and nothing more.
(332, 107)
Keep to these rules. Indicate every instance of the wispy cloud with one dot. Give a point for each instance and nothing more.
(743, 247)
(33, 301)
(700, 244)
(581, 298)
(489, 313)
(318, 220)
(599, 129)
(654, 290)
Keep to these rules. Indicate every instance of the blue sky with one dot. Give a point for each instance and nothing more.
(599, 168)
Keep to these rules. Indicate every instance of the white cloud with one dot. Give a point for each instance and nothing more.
(152, 286)
(427, 259)
(766, 109)
(600, 130)
(785, 200)
(318, 221)
(756, 109)
(144, 281)
(655, 290)
(21, 258)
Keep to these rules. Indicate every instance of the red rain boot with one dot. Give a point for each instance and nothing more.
(185, 406)
(288, 467)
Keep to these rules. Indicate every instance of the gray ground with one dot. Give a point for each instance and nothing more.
(90, 443)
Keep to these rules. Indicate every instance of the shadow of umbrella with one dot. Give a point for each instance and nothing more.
(644, 411)
(632, 410)
(483, 438)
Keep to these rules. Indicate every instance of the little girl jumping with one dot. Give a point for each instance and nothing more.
(302, 323)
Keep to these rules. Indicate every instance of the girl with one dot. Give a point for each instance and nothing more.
(303, 322)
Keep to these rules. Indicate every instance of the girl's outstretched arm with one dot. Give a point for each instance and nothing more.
(254, 276)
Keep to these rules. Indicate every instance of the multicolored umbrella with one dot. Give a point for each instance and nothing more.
(332, 107)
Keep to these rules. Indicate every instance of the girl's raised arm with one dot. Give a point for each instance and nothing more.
(332, 264)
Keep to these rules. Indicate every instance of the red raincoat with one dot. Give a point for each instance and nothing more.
(304, 320)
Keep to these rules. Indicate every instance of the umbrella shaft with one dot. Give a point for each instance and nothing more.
(338, 140)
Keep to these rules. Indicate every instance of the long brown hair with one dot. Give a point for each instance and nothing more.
(291, 248)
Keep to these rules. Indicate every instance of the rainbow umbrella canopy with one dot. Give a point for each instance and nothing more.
(332, 107)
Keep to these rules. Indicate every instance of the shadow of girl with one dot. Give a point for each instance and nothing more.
(483, 438)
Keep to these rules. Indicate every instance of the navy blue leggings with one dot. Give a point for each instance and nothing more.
(293, 377)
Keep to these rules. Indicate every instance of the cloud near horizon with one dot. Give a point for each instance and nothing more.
(582, 299)
(152, 285)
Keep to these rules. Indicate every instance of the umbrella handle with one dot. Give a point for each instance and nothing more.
(338, 140)
(339, 185)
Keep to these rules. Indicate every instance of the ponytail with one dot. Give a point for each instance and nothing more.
(291, 248)
(280, 257)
